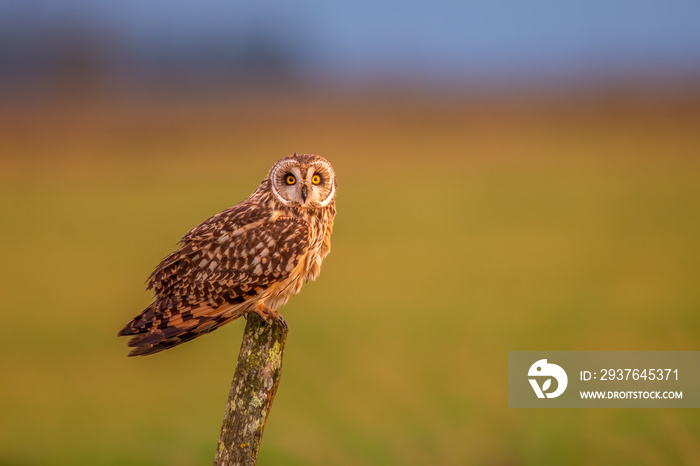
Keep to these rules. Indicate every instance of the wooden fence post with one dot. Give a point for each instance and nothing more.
(252, 391)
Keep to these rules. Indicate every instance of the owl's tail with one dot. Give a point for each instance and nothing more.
(160, 327)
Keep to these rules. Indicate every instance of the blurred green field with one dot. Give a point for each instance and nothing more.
(465, 230)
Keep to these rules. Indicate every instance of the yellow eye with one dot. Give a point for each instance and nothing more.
(315, 179)
(290, 179)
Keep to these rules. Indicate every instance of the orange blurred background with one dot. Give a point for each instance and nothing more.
(508, 180)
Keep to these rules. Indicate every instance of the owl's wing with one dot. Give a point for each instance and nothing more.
(222, 263)
(224, 249)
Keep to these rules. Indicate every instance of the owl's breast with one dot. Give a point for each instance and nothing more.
(308, 267)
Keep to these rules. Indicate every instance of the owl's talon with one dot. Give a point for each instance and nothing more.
(282, 322)
(270, 316)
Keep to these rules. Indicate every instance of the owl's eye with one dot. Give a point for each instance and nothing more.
(290, 179)
(315, 179)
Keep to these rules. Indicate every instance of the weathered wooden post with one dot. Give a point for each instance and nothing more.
(253, 389)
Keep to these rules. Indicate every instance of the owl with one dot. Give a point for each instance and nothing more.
(251, 257)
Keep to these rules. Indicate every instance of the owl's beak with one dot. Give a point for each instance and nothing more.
(303, 193)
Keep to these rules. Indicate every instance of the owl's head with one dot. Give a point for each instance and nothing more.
(303, 180)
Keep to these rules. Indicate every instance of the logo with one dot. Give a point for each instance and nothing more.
(542, 369)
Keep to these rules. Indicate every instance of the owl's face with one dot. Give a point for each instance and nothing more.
(303, 181)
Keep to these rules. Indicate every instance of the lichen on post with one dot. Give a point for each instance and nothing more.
(252, 391)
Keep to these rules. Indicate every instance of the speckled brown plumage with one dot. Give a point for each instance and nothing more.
(251, 257)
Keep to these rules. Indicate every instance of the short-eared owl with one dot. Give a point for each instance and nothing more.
(251, 257)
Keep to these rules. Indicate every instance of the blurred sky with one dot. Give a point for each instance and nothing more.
(431, 42)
